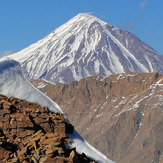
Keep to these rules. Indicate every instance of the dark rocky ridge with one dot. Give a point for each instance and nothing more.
(123, 113)
(32, 133)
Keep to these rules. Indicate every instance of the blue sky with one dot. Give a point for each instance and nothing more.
(23, 22)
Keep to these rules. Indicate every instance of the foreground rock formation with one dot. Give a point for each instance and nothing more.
(123, 113)
(32, 133)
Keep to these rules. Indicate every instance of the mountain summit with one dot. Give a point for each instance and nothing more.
(87, 46)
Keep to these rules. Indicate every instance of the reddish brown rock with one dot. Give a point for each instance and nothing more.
(120, 115)
(31, 133)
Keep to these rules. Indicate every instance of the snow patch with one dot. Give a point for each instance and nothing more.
(84, 147)
(41, 85)
(13, 83)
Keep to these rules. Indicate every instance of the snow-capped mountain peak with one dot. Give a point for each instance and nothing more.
(87, 46)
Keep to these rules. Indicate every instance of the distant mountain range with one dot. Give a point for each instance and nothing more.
(120, 115)
(87, 46)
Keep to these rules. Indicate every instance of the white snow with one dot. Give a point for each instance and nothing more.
(127, 54)
(84, 147)
(129, 75)
(149, 63)
(14, 84)
(41, 85)
(154, 86)
(120, 75)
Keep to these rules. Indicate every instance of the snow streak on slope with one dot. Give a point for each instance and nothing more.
(84, 147)
(13, 83)
(87, 46)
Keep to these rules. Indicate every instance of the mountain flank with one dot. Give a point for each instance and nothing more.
(121, 115)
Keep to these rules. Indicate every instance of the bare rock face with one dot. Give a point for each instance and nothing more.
(120, 115)
(31, 133)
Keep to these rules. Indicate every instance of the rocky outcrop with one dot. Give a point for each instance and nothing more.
(32, 133)
(123, 113)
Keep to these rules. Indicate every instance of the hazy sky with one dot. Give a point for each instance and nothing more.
(23, 22)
